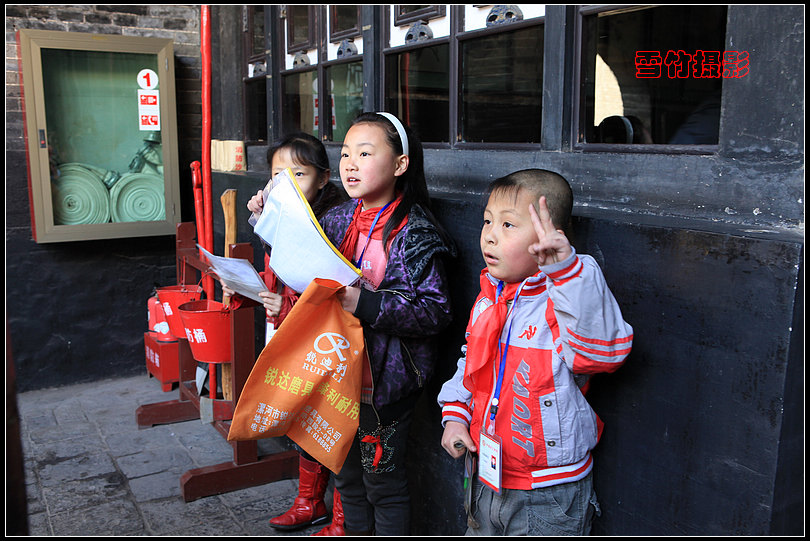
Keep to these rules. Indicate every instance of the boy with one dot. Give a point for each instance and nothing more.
(543, 315)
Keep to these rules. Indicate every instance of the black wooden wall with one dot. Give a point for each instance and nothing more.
(704, 422)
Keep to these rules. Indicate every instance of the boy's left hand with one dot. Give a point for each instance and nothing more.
(455, 432)
(553, 246)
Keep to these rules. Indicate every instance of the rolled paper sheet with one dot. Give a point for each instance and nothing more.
(79, 196)
(137, 197)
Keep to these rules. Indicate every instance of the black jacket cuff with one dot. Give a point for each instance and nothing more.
(368, 305)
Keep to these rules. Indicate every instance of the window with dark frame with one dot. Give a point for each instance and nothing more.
(301, 27)
(417, 89)
(501, 94)
(405, 14)
(345, 80)
(256, 22)
(338, 83)
(652, 75)
(344, 22)
(500, 101)
(299, 107)
(497, 95)
(417, 76)
(299, 86)
(255, 83)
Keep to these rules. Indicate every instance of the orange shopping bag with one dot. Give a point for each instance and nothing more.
(306, 382)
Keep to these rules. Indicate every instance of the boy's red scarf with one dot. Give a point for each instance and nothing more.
(485, 334)
(361, 223)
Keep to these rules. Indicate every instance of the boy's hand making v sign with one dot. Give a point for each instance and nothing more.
(552, 245)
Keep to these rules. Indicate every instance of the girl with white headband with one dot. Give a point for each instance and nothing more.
(389, 232)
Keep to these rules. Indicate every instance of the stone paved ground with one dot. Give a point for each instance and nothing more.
(91, 471)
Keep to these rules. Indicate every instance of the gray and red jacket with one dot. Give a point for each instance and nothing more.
(565, 322)
(409, 308)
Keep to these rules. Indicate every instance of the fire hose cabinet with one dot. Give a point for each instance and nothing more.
(101, 135)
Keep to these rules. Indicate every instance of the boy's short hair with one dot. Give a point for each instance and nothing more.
(539, 182)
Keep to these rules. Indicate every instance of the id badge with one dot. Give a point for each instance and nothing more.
(489, 461)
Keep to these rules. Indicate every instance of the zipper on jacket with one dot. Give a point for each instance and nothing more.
(413, 365)
(416, 371)
(400, 293)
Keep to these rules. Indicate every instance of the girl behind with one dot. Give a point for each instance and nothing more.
(307, 158)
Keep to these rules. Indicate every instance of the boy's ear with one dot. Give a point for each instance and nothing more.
(402, 162)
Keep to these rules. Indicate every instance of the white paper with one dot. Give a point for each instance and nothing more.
(200, 376)
(300, 250)
(238, 274)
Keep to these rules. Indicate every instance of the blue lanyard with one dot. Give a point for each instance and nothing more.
(370, 231)
(503, 351)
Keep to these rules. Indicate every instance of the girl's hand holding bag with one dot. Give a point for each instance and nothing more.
(306, 382)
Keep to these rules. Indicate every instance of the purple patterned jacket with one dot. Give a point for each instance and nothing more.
(411, 306)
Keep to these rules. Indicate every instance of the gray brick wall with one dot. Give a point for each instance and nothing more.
(177, 22)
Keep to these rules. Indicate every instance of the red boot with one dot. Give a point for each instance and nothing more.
(308, 508)
(336, 528)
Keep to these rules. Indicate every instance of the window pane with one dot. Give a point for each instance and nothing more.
(300, 103)
(406, 9)
(345, 18)
(299, 18)
(417, 90)
(502, 87)
(258, 29)
(256, 107)
(104, 136)
(346, 82)
(408, 14)
(638, 81)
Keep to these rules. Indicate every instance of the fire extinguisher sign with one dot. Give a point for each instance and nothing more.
(148, 101)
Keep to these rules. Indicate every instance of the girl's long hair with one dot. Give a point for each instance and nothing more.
(412, 183)
(306, 149)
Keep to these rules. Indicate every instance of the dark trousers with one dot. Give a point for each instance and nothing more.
(373, 483)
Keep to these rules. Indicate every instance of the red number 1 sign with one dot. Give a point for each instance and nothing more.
(148, 101)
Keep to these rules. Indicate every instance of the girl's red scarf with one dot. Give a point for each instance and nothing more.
(485, 334)
(361, 223)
